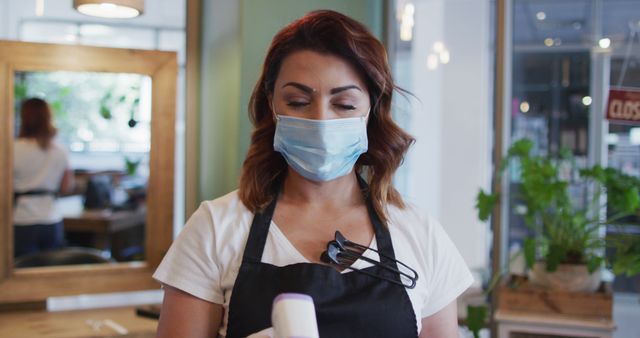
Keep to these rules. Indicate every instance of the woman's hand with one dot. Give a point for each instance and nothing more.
(184, 315)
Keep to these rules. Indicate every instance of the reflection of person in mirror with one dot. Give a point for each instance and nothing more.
(40, 173)
(321, 159)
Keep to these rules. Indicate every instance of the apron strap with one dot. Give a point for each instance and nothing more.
(34, 192)
(383, 237)
(258, 233)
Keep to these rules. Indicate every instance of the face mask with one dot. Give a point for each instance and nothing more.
(321, 150)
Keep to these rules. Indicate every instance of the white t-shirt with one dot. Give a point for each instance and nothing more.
(37, 169)
(205, 258)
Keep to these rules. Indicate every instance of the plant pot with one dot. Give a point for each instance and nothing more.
(568, 277)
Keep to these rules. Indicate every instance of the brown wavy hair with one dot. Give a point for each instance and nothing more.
(327, 32)
(36, 122)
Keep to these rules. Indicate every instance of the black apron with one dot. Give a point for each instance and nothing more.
(347, 305)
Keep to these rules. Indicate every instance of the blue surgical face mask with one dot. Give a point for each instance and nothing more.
(321, 150)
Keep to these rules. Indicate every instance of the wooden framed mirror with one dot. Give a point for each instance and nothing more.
(156, 68)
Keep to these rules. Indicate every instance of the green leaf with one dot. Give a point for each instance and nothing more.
(476, 317)
(520, 148)
(20, 92)
(627, 257)
(594, 263)
(565, 153)
(530, 251)
(56, 106)
(105, 112)
(484, 204)
(555, 256)
(65, 91)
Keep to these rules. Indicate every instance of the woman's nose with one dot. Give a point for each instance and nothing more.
(322, 111)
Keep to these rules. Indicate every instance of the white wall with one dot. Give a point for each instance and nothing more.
(452, 122)
(4, 19)
(220, 110)
(425, 178)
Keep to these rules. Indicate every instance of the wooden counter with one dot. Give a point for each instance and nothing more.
(75, 324)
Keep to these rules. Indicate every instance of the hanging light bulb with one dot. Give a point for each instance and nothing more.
(113, 9)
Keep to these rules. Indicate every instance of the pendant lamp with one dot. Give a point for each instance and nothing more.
(113, 9)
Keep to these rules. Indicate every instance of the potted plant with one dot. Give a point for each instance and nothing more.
(564, 241)
(564, 236)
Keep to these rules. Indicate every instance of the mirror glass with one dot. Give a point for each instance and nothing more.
(102, 143)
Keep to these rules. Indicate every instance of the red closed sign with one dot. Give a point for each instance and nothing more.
(624, 105)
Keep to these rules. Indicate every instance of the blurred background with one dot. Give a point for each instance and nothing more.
(560, 59)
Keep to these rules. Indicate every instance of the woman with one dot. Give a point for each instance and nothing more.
(40, 172)
(321, 111)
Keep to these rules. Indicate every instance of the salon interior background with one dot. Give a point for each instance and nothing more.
(235, 35)
(446, 64)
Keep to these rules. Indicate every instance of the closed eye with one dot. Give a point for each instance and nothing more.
(296, 104)
(346, 106)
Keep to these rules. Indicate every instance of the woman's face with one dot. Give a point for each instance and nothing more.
(319, 86)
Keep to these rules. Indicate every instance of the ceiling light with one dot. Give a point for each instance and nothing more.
(604, 43)
(548, 42)
(587, 100)
(541, 15)
(113, 9)
(524, 107)
(438, 46)
(432, 61)
(406, 33)
(406, 23)
(444, 57)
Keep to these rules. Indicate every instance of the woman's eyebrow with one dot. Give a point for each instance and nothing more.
(310, 90)
(343, 88)
(300, 86)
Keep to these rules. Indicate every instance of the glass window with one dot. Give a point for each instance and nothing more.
(559, 48)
